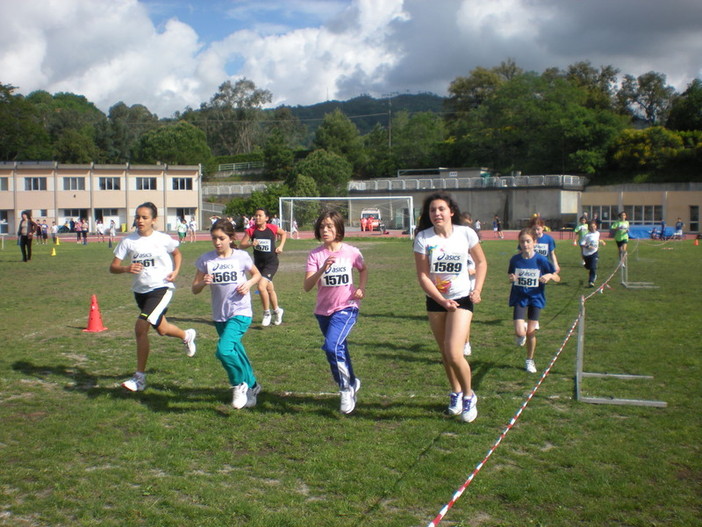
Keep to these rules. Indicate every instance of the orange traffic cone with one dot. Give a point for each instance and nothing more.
(53, 251)
(697, 241)
(95, 318)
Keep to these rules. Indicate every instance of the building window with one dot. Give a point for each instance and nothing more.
(74, 183)
(146, 183)
(4, 183)
(109, 183)
(182, 183)
(35, 183)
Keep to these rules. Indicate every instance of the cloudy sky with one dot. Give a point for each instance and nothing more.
(171, 54)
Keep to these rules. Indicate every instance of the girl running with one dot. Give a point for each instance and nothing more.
(529, 272)
(621, 235)
(330, 266)
(590, 245)
(224, 270)
(443, 249)
(262, 237)
(155, 262)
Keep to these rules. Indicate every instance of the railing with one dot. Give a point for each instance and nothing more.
(418, 184)
(232, 189)
(437, 183)
(239, 167)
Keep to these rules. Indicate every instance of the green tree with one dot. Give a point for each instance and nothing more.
(647, 97)
(278, 156)
(176, 144)
(260, 199)
(75, 147)
(686, 109)
(330, 171)
(535, 123)
(69, 119)
(338, 135)
(22, 136)
(646, 151)
(381, 161)
(125, 124)
(415, 139)
(599, 84)
(469, 93)
(233, 117)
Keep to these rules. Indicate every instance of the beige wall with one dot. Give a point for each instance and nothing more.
(56, 201)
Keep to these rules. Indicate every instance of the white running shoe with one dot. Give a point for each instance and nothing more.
(467, 350)
(266, 319)
(470, 409)
(189, 342)
(520, 341)
(279, 316)
(455, 406)
(136, 384)
(251, 396)
(530, 366)
(239, 398)
(348, 397)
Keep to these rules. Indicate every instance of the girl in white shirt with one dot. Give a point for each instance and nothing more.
(154, 263)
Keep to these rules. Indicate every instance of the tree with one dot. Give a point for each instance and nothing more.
(535, 123)
(686, 110)
(646, 151)
(125, 124)
(647, 97)
(233, 116)
(71, 122)
(277, 156)
(176, 144)
(22, 136)
(416, 138)
(328, 170)
(260, 199)
(338, 135)
(381, 161)
(600, 84)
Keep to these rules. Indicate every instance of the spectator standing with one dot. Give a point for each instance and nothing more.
(25, 234)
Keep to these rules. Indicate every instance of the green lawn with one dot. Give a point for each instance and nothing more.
(77, 450)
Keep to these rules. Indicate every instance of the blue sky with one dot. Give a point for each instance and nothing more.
(172, 54)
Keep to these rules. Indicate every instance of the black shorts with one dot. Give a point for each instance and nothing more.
(267, 269)
(526, 313)
(154, 304)
(463, 303)
(622, 242)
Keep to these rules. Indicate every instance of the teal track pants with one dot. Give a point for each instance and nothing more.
(231, 352)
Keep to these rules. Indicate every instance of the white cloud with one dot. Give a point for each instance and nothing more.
(305, 51)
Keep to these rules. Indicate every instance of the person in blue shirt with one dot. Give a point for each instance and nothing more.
(529, 272)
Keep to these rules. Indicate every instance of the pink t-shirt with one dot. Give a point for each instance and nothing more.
(335, 289)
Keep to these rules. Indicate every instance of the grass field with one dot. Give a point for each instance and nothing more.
(77, 450)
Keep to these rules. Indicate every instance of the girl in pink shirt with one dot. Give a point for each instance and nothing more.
(330, 267)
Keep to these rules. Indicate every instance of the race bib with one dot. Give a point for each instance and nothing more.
(223, 273)
(527, 277)
(447, 263)
(541, 248)
(339, 274)
(263, 245)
